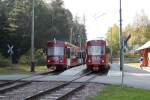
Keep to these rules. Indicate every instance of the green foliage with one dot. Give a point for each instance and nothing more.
(40, 57)
(4, 61)
(132, 55)
(20, 69)
(24, 59)
(51, 20)
(4, 25)
(112, 92)
(113, 39)
(78, 33)
(139, 30)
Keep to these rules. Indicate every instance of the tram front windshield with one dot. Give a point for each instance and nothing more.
(96, 50)
(55, 51)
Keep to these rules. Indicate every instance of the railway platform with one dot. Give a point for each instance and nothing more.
(134, 77)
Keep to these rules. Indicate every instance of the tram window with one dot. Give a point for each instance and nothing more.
(55, 51)
(96, 50)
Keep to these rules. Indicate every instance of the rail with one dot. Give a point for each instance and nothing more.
(40, 93)
(4, 87)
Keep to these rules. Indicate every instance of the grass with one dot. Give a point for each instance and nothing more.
(113, 92)
(137, 65)
(20, 69)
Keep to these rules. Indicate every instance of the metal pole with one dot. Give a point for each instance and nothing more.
(121, 56)
(71, 30)
(83, 39)
(84, 20)
(32, 40)
(121, 47)
(80, 41)
(111, 48)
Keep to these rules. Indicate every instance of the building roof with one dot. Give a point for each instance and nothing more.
(145, 46)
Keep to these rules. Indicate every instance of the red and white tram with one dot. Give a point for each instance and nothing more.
(97, 55)
(62, 55)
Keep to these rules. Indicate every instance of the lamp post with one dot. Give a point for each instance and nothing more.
(121, 40)
(32, 40)
(121, 47)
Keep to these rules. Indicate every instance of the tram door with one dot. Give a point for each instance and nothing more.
(68, 57)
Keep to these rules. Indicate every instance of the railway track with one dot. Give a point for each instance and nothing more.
(9, 85)
(27, 90)
(62, 91)
(13, 81)
(45, 90)
(38, 89)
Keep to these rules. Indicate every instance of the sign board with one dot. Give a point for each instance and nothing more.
(10, 49)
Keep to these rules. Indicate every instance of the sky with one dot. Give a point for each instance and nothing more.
(102, 14)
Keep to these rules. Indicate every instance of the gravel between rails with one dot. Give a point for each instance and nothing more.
(28, 90)
(53, 95)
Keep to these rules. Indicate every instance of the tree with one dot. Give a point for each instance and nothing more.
(51, 20)
(113, 38)
(4, 27)
(20, 27)
(139, 30)
(78, 33)
(61, 20)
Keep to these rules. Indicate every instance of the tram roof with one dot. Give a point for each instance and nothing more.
(62, 43)
(71, 45)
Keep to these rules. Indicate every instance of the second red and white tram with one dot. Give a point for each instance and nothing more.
(62, 55)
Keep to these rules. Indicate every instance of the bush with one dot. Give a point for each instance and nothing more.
(4, 61)
(24, 59)
(40, 58)
(41, 61)
(132, 55)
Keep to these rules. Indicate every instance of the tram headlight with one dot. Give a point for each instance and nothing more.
(103, 61)
(89, 61)
(60, 60)
(48, 61)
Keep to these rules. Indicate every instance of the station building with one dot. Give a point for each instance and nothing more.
(145, 54)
